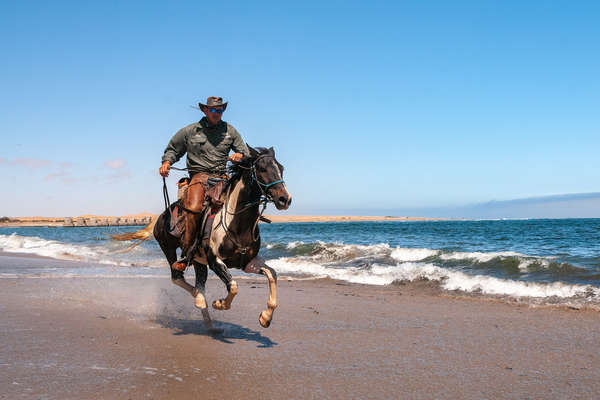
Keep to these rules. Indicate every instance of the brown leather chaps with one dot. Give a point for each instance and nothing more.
(193, 200)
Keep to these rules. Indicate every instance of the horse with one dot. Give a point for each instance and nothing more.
(234, 239)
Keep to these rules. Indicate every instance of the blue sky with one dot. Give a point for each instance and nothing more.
(369, 105)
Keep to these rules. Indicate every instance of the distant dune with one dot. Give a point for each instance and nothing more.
(577, 205)
(580, 205)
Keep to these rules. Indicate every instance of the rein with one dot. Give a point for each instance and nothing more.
(166, 196)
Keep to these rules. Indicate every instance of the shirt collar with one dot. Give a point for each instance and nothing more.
(204, 124)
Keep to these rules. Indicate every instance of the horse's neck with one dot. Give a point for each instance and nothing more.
(240, 195)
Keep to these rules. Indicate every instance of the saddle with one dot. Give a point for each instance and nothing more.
(213, 201)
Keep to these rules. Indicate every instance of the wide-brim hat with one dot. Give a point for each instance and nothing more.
(213, 101)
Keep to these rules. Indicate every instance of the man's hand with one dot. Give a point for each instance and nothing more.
(164, 169)
(236, 157)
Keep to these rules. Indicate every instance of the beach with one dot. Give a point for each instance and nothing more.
(141, 337)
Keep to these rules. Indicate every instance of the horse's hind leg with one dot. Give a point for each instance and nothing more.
(258, 266)
(200, 291)
(176, 276)
(168, 245)
(222, 272)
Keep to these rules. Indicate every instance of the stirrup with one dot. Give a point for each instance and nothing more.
(180, 265)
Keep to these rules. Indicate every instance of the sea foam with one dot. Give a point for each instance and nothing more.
(449, 280)
(102, 254)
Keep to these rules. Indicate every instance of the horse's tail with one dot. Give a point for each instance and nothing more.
(142, 235)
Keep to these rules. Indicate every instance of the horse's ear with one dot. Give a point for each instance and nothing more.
(272, 151)
(253, 152)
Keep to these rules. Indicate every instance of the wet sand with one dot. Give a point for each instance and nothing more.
(140, 338)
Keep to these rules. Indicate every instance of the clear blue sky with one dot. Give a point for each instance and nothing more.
(369, 105)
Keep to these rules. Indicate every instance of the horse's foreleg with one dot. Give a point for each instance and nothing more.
(222, 272)
(200, 292)
(258, 266)
(267, 315)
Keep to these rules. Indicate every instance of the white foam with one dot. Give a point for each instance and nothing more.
(49, 248)
(449, 280)
(479, 256)
(491, 285)
(524, 260)
(340, 251)
(349, 274)
(66, 251)
(345, 252)
(409, 254)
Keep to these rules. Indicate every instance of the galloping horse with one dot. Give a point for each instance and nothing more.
(234, 239)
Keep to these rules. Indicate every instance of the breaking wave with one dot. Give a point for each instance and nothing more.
(449, 280)
(492, 273)
(109, 252)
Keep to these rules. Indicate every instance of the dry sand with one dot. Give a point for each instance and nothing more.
(140, 338)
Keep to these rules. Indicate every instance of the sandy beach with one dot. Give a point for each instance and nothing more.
(140, 338)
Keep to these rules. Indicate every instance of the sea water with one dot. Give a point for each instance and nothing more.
(552, 258)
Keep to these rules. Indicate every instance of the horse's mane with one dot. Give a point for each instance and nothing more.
(236, 170)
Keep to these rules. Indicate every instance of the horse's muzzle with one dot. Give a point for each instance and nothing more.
(283, 201)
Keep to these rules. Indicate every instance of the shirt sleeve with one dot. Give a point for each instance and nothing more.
(176, 147)
(238, 145)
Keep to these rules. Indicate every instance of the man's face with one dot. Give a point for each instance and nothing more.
(213, 114)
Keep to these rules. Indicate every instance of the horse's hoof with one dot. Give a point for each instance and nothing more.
(179, 266)
(219, 305)
(263, 321)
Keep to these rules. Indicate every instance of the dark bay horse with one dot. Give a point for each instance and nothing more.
(234, 239)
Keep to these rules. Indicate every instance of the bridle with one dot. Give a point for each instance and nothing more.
(263, 186)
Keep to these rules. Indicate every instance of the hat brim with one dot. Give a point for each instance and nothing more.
(224, 105)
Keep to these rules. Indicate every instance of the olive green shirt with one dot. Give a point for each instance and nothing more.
(207, 146)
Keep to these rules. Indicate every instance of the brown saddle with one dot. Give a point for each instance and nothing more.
(213, 201)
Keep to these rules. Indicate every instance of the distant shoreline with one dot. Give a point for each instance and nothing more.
(144, 218)
(344, 218)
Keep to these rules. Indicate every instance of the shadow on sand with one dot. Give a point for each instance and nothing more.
(224, 331)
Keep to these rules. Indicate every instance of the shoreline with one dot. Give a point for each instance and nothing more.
(109, 337)
(144, 218)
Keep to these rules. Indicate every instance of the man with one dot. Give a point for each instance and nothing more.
(207, 143)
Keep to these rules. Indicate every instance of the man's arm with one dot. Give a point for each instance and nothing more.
(174, 151)
(238, 145)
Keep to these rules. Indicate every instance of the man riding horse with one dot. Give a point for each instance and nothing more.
(207, 143)
(233, 241)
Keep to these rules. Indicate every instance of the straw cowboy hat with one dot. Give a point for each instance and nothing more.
(213, 101)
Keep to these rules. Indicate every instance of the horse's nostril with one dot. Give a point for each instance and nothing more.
(283, 199)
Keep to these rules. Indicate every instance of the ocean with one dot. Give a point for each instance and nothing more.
(556, 260)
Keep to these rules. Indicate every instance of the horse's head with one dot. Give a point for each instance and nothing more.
(268, 174)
